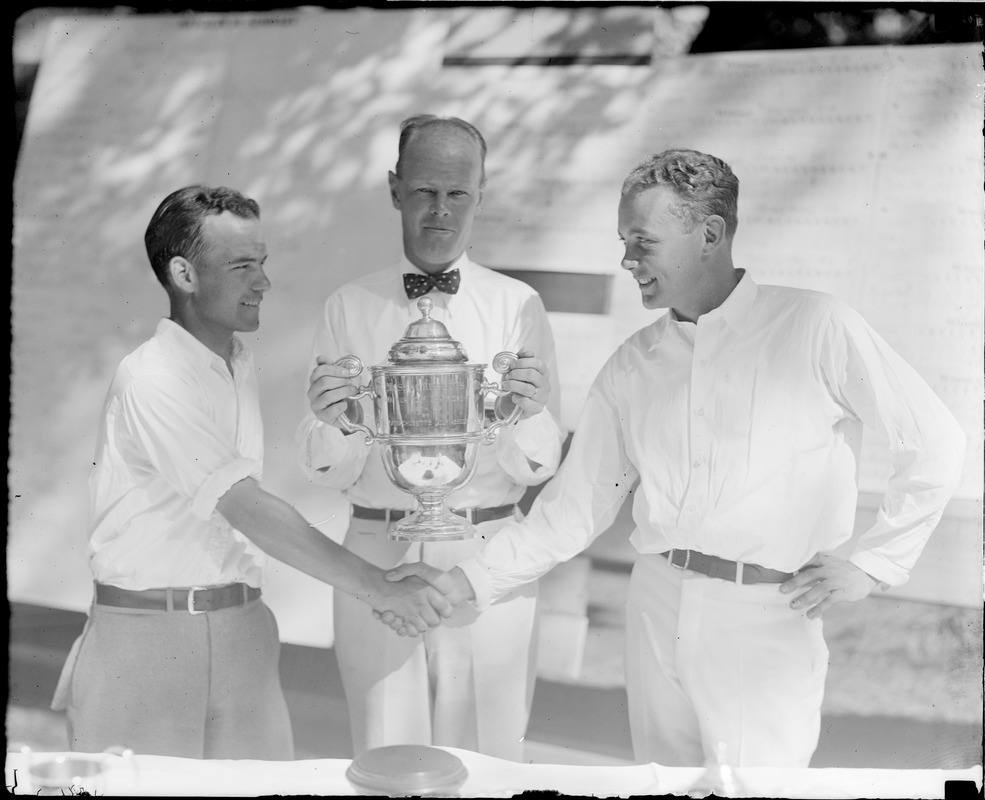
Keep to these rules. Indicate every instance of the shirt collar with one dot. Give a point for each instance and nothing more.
(738, 305)
(735, 311)
(191, 348)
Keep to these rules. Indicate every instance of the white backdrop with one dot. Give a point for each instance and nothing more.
(861, 174)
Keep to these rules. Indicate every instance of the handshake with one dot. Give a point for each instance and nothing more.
(416, 596)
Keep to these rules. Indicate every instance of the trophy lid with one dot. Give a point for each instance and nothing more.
(427, 340)
(406, 770)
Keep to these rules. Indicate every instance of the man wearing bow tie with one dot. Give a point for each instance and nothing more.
(469, 682)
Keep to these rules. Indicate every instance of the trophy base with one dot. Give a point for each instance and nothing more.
(431, 526)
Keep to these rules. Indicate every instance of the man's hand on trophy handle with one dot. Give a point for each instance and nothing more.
(528, 383)
(329, 390)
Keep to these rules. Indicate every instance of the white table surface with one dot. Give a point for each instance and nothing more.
(487, 777)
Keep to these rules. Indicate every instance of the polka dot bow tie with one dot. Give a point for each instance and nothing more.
(418, 285)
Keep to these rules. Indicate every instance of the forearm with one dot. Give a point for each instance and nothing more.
(576, 506)
(511, 559)
(279, 530)
(916, 497)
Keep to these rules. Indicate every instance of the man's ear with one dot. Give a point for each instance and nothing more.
(714, 232)
(394, 193)
(184, 279)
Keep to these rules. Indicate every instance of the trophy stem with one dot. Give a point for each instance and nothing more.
(432, 522)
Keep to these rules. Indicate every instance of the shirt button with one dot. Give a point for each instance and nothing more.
(699, 463)
(692, 507)
(703, 362)
(700, 412)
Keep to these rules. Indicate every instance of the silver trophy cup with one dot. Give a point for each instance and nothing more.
(430, 421)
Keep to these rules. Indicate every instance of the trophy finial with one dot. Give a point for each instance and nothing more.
(427, 340)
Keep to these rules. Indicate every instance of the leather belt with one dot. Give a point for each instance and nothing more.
(194, 600)
(473, 515)
(733, 571)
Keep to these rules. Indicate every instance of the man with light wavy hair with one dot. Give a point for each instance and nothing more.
(739, 413)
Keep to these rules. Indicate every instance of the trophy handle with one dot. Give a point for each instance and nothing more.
(502, 362)
(354, 367)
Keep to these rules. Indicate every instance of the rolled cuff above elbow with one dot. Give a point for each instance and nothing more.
(536, 439)
(324, 446)
(220, 481)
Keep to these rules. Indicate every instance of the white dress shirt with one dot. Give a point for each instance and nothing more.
(743, 430)
(177, 431)
(489, 313)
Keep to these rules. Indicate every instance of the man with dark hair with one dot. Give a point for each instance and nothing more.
(469, 685)
(739, 413)
(179, 655)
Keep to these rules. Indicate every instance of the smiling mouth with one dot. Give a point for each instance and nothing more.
(251, 304)
(645, 281)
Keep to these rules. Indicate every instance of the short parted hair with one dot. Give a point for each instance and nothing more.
(411, 127)
(705, 185)
(176, 227)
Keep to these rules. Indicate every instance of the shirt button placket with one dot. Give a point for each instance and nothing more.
(697, 442)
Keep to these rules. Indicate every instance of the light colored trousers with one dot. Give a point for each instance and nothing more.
(467, 683)
(709, 661)
(176, 684)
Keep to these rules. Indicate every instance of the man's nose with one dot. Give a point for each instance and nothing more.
(439, 206)
(263, 284)
(628, 262)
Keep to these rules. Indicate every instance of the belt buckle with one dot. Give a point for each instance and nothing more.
(687, 558)
(190, 599)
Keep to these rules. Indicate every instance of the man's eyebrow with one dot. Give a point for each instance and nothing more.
(239, 259)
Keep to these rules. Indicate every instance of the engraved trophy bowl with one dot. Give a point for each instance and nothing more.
(429, 403)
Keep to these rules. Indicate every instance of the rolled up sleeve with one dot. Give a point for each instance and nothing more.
(327, 456)
(534, 440)
(219, 482)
